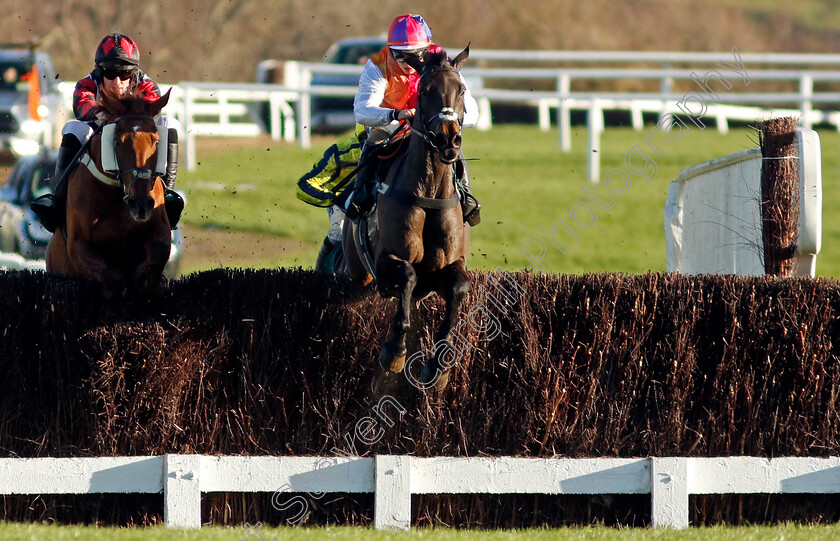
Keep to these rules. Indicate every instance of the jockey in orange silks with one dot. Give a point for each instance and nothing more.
(387, 95)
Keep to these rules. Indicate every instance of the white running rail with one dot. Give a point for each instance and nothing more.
(393, 479)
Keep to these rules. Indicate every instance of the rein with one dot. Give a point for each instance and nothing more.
(408, 198)
(137, 173)
(445, 114)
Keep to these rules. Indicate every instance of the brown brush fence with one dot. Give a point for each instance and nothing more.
(779, 194)
(283, 363)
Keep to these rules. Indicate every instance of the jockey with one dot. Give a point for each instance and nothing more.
(388, 94)
(117, 69)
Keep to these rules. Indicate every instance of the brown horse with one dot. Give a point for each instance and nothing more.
(419, 239)
(116, 229)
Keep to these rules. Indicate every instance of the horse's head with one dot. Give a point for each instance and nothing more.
(440, 106)
(135, 145)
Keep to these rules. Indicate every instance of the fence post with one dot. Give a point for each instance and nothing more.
(181, 491)
(806, 90)
(595, 125)
(669, 492)
(392, 500)
(274, 115)
(189, 135)
(544, 114)
(485, 114)
(305, 109)
(564, 118)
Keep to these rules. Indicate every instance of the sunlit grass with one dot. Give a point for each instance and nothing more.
(523, 181)
(32, 532)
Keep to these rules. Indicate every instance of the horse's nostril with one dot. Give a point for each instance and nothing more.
(456, 141)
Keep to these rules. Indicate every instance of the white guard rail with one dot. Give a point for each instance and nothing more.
(393, 479)
(210, 109)
(713, 213)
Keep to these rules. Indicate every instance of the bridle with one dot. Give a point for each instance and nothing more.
(137, 173)
(445, 114)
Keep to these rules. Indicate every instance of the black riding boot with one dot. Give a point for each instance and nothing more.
(470, 207)
(173, 201)
(360, 202)
(50, 208)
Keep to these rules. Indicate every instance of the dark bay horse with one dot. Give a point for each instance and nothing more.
(116, 229)
(420, 240)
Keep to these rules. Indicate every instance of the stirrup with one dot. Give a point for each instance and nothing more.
(360, 204)
(45, 209)
(471, 208)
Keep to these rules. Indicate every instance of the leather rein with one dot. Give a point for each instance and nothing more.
(445, 114)
(137, 173)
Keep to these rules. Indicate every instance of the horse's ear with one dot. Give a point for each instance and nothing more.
(417, 64)
(459, 61)
(161, 103)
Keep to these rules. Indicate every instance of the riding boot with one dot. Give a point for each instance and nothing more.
(50, 208)
(360, 202)
(325, 262)
(173, 201)
(470, 206)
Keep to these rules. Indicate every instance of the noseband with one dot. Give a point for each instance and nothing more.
(137, 173)
(446, 114)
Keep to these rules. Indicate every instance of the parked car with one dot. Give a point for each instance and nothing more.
(20, 230)
(32, 108)
(329, 113)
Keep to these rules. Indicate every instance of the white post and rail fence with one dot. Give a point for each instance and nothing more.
(810, 86)
(182, 479)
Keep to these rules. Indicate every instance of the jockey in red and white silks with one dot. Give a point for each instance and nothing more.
(117, 69)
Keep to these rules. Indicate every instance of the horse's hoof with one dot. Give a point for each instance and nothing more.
(442, 381)
(390, 361)
(428, 375)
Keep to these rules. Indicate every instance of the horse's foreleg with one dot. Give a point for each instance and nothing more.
(56, 254)
(452, 283)
(148, 275)
(85, 261)
(396, 278)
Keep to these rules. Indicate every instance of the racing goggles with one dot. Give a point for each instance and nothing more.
(415, 54)
(117, 73)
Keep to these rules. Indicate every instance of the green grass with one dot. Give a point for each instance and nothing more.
(523, 181)
(31, 532)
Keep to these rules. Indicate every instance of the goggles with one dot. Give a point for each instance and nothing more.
(416, 54)
(116, 73)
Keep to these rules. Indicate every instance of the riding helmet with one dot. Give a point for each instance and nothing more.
(117, 50)
(409, 32)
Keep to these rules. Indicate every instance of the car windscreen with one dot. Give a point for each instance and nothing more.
(13, 76)
(356, 54)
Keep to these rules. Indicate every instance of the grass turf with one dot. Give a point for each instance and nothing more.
(522, 179)
(53, 532)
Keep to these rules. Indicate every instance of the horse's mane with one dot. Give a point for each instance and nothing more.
(433, 60)
(132, 103)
